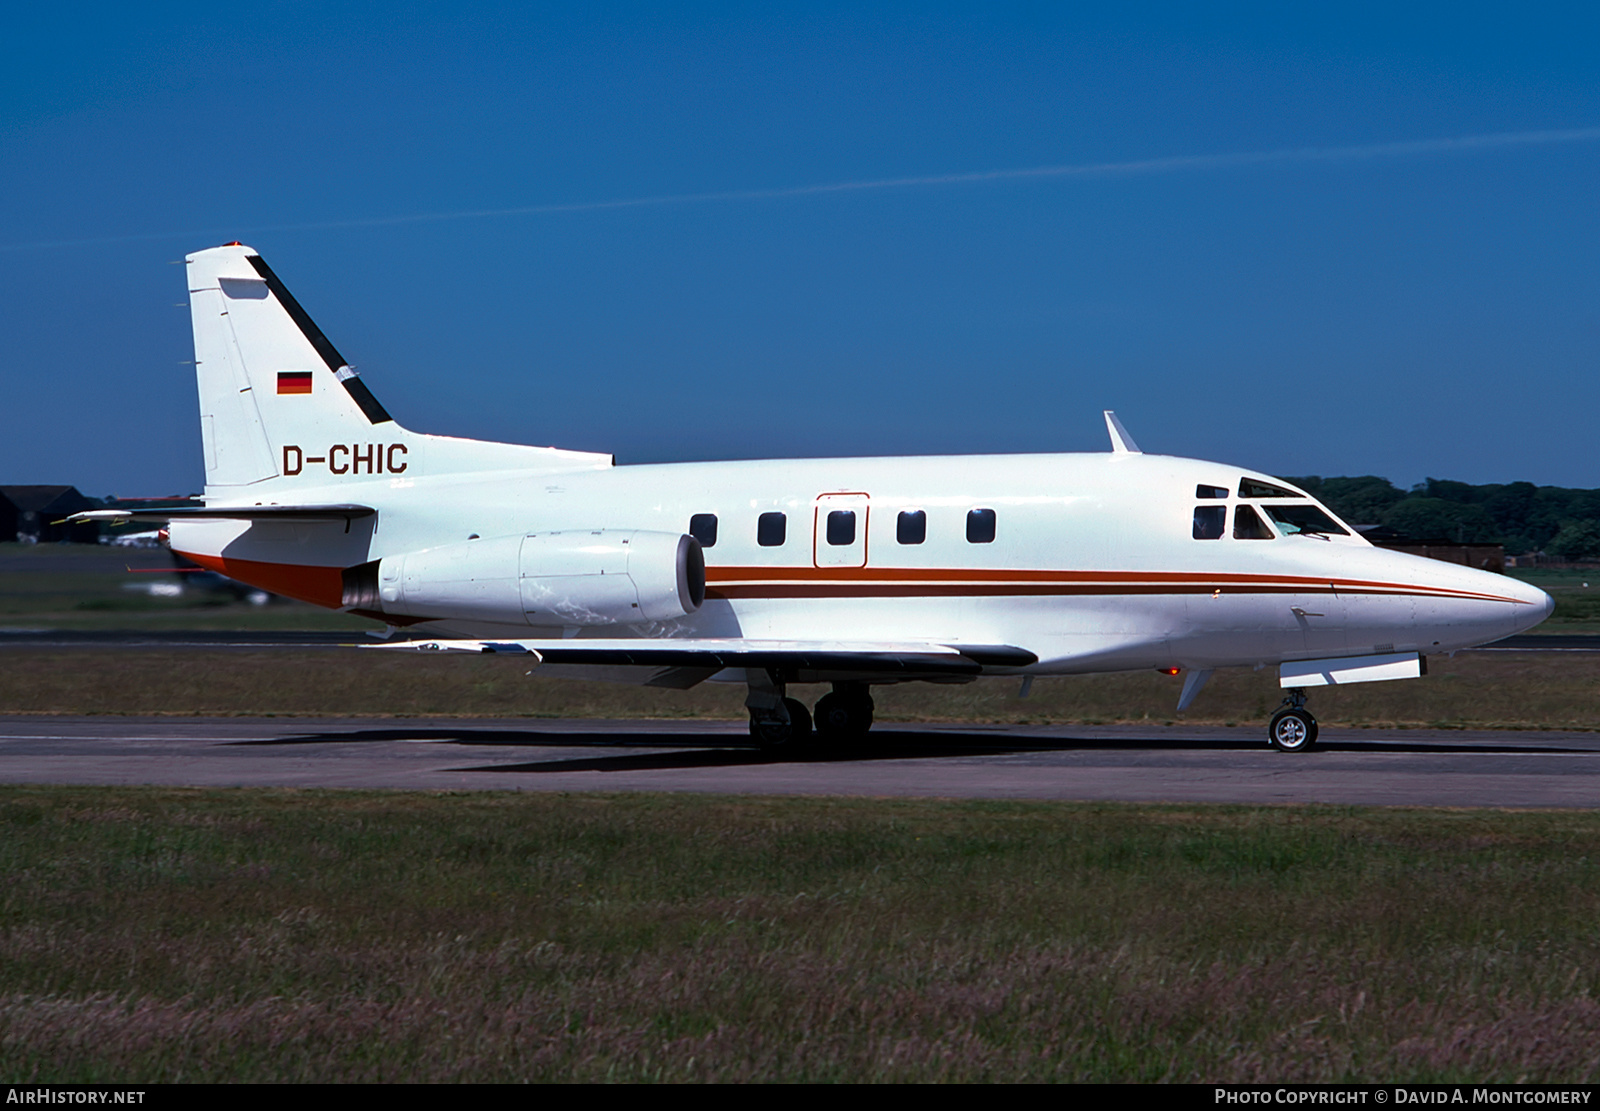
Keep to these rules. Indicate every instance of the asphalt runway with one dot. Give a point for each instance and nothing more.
(1126, 763)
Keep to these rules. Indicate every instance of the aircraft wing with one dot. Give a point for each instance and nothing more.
(913, 657)
(344, 513)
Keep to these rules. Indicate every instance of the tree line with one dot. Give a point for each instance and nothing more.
(1525, 518)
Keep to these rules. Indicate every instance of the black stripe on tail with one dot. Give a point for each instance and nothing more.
(353, 385)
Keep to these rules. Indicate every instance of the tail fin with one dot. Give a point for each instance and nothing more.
(278, 400)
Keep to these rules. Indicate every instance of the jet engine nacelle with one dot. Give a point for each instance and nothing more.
(599, 577)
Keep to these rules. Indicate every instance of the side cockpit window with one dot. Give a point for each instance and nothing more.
(1209, 521)
(1247, 525)
(1215, 493)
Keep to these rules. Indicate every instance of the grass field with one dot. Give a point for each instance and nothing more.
(154, 934)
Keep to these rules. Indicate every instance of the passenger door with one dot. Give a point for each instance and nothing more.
(839, 530)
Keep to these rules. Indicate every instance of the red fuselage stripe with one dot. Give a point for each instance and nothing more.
(951, 590)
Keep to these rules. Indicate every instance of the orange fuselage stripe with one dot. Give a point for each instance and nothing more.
(983, 589)
(742, 582)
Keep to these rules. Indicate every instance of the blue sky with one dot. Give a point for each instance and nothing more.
(1358, 299)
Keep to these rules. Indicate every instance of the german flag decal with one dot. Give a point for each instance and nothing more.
(294, 381)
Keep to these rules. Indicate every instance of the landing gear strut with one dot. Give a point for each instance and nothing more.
(1292, 728)
(846, 714)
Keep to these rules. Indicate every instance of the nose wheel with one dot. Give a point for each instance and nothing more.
(1292, 728)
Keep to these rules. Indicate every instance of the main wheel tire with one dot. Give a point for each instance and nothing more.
(1292, 731)
(783, 736)
(840, 718)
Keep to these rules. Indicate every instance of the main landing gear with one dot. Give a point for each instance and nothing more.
(846, 714)
(779, 724)
(1292, 728)
(786, 732)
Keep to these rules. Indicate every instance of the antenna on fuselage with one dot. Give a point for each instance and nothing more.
(1121, 442)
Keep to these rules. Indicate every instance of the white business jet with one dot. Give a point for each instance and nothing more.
(853, 572)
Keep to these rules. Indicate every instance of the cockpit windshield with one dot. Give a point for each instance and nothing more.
(1308, 519)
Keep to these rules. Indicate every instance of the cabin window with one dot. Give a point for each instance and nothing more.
(1250, 488)
(1213, 492)
(1248, 526)
(980, 526)
(912, 527)
(1304, 518)
(703, 527)
(1209, 521)
(770, 530)
(842, 527)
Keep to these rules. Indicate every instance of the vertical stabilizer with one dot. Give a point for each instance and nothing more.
(270, 382)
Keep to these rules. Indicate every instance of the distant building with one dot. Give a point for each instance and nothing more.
(28, 514)
(1485, 557)
(1539, 559)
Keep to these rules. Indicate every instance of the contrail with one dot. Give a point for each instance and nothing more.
(1149, 166)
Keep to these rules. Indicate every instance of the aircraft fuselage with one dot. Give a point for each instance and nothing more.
(1092, 562)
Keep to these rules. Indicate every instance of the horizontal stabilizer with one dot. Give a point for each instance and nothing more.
(831, 656)
(228, 513)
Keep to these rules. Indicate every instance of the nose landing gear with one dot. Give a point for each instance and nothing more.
(1292, 728)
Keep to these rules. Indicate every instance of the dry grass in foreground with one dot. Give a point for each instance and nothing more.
(1475, 690)
(161, 935)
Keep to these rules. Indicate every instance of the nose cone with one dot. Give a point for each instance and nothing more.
(1436, 606)
(1536, 604)
(1488, 607)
